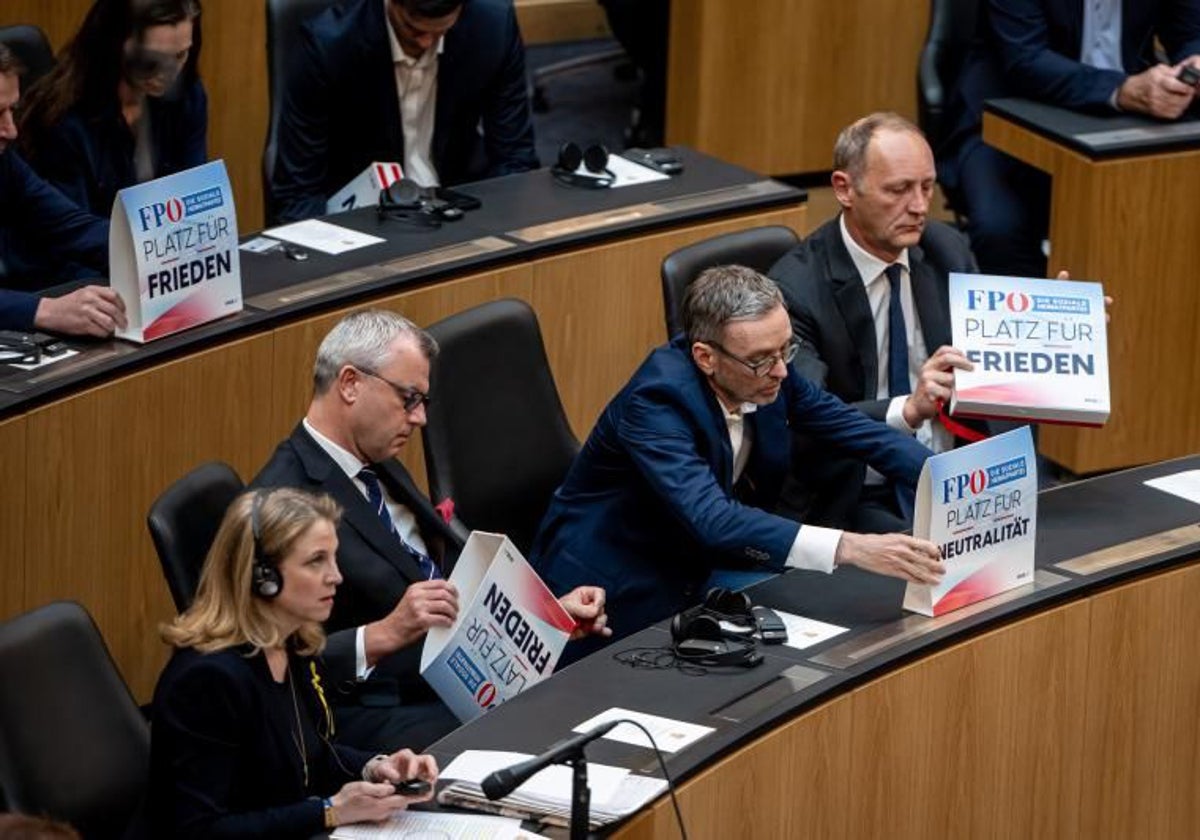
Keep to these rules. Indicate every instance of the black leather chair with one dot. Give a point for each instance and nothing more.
(498, 442)
(284, 18)
(952, 27)
(757, 248)
(32, 48)
(183, 522)
(73, 744)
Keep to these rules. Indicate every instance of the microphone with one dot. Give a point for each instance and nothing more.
(503, 782)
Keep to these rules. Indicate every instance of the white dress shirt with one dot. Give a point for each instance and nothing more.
(878, 288)
(814, 547)
(1100, 45)
(403, 518)
(416, 91)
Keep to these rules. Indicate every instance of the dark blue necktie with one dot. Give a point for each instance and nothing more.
(375, 498)
(898, 384)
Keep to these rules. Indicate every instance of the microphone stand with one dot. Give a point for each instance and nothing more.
(581, 796)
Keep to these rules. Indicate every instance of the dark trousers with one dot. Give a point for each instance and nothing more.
(1007, 205)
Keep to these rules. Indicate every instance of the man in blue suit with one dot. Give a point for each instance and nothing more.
(412, 81)
(677, 478)
(38, 216)
(1093, 56)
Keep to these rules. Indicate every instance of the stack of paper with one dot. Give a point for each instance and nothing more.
(408, 824)
(616, 792)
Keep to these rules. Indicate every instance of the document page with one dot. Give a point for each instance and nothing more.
(670, 735)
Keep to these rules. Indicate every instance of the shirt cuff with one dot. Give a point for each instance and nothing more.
(895, 415)
(814, 548)
(1112, 100)
(361, 669)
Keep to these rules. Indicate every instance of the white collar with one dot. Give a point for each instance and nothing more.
(347, 461)
(868, 265)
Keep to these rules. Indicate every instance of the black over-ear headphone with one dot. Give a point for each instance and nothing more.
(266, 582)
(594, 159)
(699, 639)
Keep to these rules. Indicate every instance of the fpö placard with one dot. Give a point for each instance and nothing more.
(508, 636)
(978, 503)
(1040, 349)
(173, 252)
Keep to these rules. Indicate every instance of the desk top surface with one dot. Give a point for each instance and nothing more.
(1074, 520)
(1100, 136)
(523, 216)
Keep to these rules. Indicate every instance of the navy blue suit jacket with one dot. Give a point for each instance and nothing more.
(1030, 48)
(649, 507)
(38, 225)
(224, 755)
(341, 110)
(88, 154)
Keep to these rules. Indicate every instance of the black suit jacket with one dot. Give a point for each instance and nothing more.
(341, 111)
(376, 571)
(832, 321)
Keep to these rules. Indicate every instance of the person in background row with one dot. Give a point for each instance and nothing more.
(123, 105)
(436, 85)
(242, 736)
(36, 217)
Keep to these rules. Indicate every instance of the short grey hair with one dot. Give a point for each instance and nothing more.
(850, 150)
(724, 294)
(364, 339)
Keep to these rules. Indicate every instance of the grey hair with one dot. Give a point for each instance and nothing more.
(723, 294)
(364, 339)
(850, 149)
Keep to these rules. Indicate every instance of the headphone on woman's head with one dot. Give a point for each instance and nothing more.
(266, 582)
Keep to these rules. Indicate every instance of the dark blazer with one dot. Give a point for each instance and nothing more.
(1030, 48)
(649, 509)
(831, 317)
(88, 154)
(40, 231)
(341, 111)
(224, 759)
(375, 569)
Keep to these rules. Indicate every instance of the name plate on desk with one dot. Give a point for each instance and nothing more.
(173, 252)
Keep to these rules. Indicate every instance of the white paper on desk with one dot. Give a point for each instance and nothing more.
(1185, 485)
(322, 236)
(630, 172)
(806, 632)
(260, 245)
(670, 735)
(405, 825)
(552, 783)
(46, 360)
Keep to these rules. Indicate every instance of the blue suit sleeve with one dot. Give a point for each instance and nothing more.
(302, 148)
(1179, 30)
(823, 416)
(663, 447)
(1022, 37)
(507, 122)
(51, 218)
(17, 310)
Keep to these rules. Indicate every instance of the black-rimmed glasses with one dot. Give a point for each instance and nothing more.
(761, 367)
(410, 398)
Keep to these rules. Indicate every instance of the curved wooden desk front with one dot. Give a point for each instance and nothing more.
(82, 469)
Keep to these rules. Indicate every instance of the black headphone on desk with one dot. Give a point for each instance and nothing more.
(698, 637)
(407, 201)
(595, 161)
(266, 581)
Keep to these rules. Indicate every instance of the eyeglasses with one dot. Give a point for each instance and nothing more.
(410, 398)
(761, 367)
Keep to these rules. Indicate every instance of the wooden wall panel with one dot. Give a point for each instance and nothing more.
(551, 21)
(982, 740)
(802, 766)
(601, 309)
(103, 456)
(1143, 715)
(769, 84)
(295, 346)
(12, 517)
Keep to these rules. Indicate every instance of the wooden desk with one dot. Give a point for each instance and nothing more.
(769, 84)
(84, 462)
(1127, 222)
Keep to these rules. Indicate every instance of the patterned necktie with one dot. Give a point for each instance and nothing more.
(898, 385)
(375, 498)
